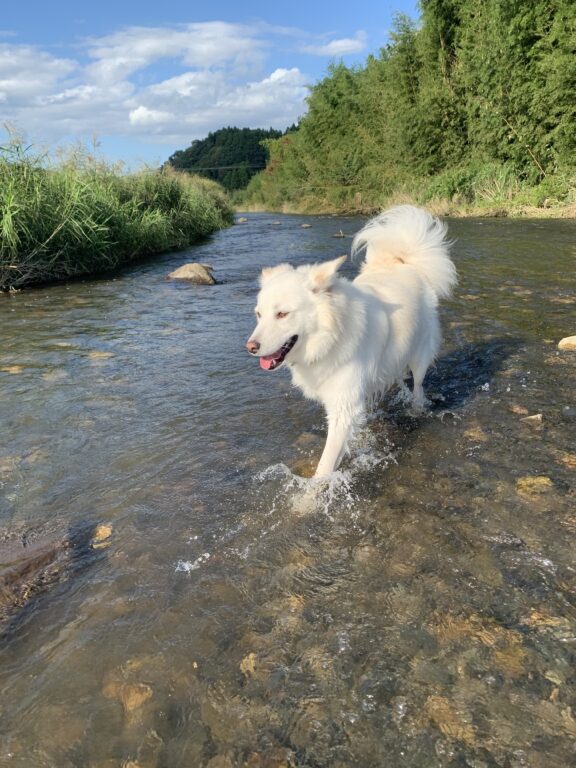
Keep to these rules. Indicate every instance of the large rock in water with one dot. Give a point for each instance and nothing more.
(29, 566)
(195, 273)
(568, 343)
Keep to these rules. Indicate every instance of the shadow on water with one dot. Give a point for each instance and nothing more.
(35, 570)
(459, 374)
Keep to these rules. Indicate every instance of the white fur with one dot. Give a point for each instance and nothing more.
(356, 339)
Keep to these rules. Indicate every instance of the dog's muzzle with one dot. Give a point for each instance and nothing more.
(270, 362)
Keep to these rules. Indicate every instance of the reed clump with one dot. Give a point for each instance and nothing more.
(79, 215)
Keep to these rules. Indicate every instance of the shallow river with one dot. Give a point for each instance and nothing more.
(206, 610)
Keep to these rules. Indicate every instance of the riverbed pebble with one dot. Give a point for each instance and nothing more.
(12, 369)
(534, 420)
(132, 695)
(101, 536)
(533, 486)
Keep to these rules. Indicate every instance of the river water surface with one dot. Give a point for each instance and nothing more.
(419, 611)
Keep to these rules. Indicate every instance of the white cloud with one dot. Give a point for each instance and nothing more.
(112, 86)
(27, 73)
(340, 47)
(210, 44)
(149, 117)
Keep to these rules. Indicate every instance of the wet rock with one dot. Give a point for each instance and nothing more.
(533, 486)
(101, 536)
(568, 343)
(535, 420)
(519, 410)
(7, 466)
(222, 761)
(150, 749)
(276, 758)
(368, 554)
(554, 677)
(242, 220)
(312, 730)
(304, 466)
(100, 355)
(559, 627)
(131, 695)
(305, 226)
(248, 664)
(57, 375)
(14, 369)
(476, 434)
(28, 567)
(510, 660)
(195, 273)
(569, 460)
(446, 717)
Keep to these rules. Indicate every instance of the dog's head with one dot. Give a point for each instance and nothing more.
(294, 312)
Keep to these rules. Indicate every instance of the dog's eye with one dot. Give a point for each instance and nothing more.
(280, 315)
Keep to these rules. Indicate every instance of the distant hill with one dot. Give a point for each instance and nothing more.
(230, 156)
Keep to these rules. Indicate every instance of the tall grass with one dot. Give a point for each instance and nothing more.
(80, 215)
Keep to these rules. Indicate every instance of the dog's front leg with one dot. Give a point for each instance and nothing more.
(341, 425)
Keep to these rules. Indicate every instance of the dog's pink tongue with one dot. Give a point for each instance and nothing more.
(266, 362)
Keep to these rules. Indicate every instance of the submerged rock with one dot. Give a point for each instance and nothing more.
(195, 273)
(101, 536)
(29, 566)
(535, 420)
(447, 717)
(533, 486)
(24, 570)
(132, 695)
(568, 343)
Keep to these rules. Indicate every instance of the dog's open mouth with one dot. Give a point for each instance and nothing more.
(270, 362)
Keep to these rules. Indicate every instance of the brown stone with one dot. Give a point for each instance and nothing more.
(195, 273)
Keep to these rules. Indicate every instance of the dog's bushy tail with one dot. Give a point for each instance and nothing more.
(408, 235)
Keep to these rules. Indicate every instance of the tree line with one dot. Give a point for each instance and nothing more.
(230, 156)
(474, 102)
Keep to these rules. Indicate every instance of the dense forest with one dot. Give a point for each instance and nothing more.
(230, 156)
(475, 103)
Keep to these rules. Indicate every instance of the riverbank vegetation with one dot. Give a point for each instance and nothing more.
(81, 216)
(471, 109)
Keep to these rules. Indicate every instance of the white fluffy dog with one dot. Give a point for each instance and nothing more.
(348, 342)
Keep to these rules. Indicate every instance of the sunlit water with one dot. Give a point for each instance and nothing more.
(418, 611)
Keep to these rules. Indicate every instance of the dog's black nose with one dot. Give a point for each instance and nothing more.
(252, 346)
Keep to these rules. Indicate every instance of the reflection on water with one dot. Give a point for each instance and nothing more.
(222, 611)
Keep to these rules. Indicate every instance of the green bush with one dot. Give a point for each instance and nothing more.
(83, 216)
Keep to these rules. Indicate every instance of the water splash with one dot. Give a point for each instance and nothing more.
(187, 566)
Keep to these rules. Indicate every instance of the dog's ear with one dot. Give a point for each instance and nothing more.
(321, 276)
(269, 272)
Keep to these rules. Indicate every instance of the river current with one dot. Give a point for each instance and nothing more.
(203, 608)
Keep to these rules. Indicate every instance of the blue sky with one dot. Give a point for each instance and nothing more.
(145, 79)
